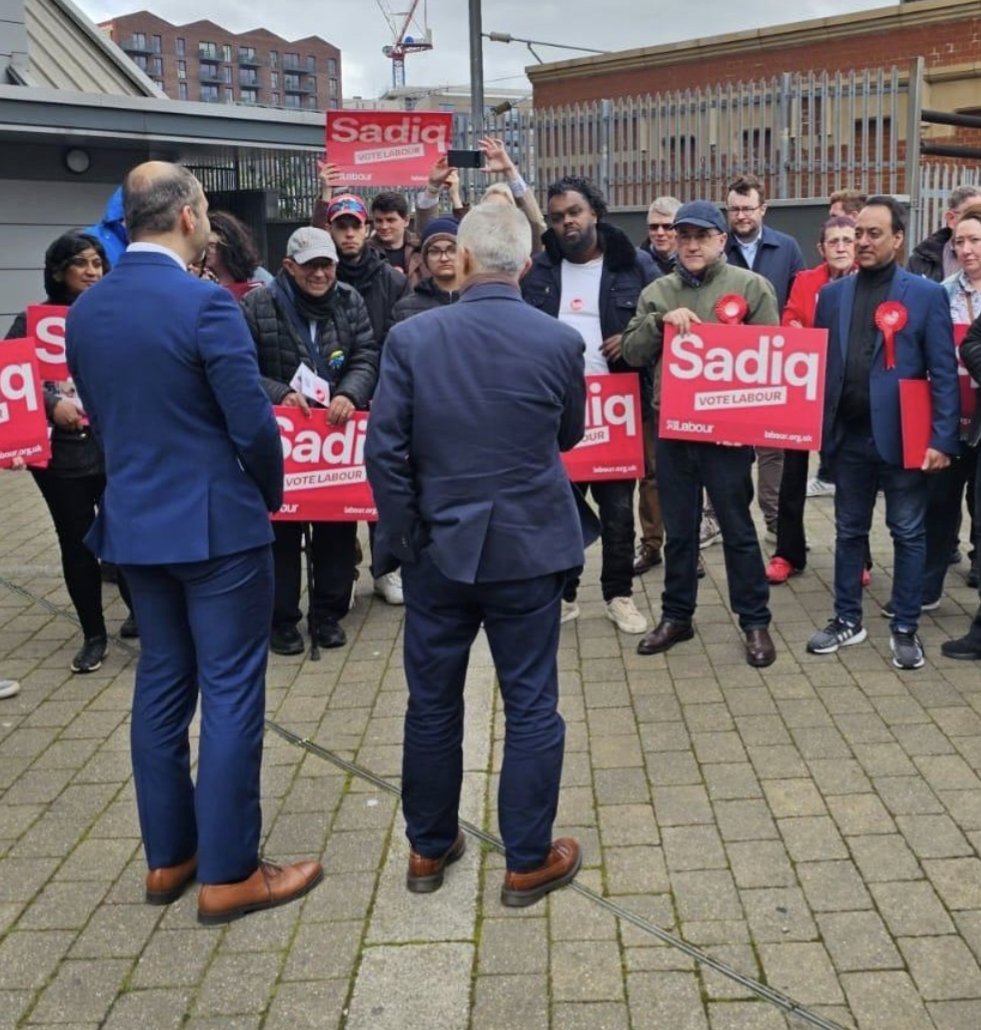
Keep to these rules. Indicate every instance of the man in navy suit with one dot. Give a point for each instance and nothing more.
(862, 444)
(473, 405)
(193, 466)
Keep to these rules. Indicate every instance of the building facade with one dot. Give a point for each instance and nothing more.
(203, 61)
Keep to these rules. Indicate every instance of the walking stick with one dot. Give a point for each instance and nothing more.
(311, 618)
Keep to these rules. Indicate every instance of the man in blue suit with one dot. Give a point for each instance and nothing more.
(473, 405)
(862, 443)
(194, 465)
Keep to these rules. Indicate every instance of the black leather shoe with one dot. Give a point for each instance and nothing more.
(760, 651)
(664, 636)
(129, 630)
(330, 633)
(966, 648)
(286, 640)
(647, 558)
(90, 657)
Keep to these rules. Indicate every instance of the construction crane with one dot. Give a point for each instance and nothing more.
(401, 22)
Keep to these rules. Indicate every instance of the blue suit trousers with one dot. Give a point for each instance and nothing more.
(521, 619)
(204, 628)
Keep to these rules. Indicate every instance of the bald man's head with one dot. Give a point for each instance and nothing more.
(154, 195)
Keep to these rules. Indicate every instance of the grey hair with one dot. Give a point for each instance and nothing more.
(153, 202)
(497, 237)
(962, 194)
(497, 189)
(664, 206)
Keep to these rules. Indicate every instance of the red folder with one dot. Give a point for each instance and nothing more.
(916, 415)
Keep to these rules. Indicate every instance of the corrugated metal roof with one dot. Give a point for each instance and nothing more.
(67, 51)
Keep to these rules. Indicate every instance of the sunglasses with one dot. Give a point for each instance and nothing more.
(663, 226)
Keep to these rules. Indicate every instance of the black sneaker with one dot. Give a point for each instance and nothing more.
(286, 640)
(129, 630)
(90, 657)
(907, 651)
(837, 633)
(330, 633)
(967, 648)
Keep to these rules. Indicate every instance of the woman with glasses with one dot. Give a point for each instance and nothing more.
(74, 480)
(837, 248)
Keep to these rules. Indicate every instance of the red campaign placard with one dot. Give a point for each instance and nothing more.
(744, 384)
(387, 148)
(966, 384)
(46, 323)
(325, 479)
(915, 420)
(23, 424)
(613, 445)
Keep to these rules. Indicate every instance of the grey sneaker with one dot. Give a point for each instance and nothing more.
(907, 651)
(708, 531)
(837, 633)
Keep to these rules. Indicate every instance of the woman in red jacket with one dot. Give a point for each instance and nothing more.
(837, 248)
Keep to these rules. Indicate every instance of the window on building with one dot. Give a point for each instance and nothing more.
(157, 65)
(312, 102)
(139, 41)
(291, 83)
(291, 61)
(331, 65)
(210, 70)
(182, 91)
(311, 63)
(157, 44)
(226, 73)
(249, 95)
(209, 93)
(311, 83)
(274, 80)
(226, 52)
(332, 87)
(292, 100)
(209, 51)
(229, 95)
(246, 53)
(275, 99)
(332, 104)
(140, 61)
(182, 69)
(181, 47)
(273, 59)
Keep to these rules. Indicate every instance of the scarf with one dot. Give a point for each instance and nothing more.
(311, 309)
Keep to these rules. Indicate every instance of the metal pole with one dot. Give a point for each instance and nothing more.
(914, 107)
(476, 73)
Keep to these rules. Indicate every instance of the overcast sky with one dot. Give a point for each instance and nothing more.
(360, 30)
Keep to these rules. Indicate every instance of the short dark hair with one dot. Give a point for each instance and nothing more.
(836, 222)
(897, 213)
(744, 183)
(388, 201)
(153, 203)
(577, 184)
(239, 253)
(60, 255)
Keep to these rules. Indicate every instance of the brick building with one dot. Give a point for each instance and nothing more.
(203, 61)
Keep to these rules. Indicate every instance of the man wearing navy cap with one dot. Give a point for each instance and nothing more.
(682, 299)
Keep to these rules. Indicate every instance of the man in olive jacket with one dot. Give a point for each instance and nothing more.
(683, 298)
(305, 317)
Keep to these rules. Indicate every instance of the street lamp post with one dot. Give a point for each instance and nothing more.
(476, 73)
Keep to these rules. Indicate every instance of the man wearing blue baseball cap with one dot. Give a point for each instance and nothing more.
(687, 296)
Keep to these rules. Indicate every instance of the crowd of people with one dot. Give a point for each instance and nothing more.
(486, 317)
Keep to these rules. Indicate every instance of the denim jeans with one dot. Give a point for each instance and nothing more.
(684, 469)
(859, 472)
(615, 500)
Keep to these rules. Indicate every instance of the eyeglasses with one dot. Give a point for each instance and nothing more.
(441, 253)
(659, 226)
(743, 210)
(840, 241)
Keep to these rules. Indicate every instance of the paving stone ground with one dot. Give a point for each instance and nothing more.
(814, 826)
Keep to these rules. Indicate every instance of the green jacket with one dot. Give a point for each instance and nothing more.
(643, 339)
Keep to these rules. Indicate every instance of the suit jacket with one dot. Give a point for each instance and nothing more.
(474, 403)
(925, 345)
(167, 371)
(778, 259)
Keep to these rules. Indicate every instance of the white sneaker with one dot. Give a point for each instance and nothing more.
(708, 531)
(623, 612)
(389, 587)
(819, 488)
(9, 688)
(354, 600)
(570, 611)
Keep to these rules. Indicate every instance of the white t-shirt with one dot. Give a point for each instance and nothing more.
(579, 308)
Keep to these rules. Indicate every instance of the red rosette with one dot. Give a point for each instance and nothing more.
(731, 309)
(890, 318)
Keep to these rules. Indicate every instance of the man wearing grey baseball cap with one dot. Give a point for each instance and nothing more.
(687, 296)
(306, 317)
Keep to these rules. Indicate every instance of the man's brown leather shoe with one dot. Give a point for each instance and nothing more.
(270, 885)
(560, 868)
(665, 635)
(167, 883)
(425, 875)
(760, 651)
(647, 557)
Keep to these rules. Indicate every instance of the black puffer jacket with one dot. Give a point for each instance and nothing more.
(426, 296)
(927, 258)
(282, 341)
(379, 284)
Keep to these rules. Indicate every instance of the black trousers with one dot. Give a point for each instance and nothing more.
(73, 502)
(333, 570)
(615, 500)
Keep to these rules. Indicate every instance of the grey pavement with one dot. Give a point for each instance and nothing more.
(810, 831)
